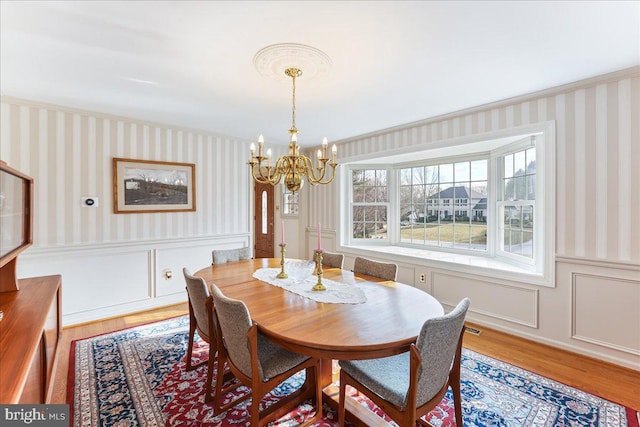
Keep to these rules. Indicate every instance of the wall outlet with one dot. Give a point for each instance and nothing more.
(423, 278)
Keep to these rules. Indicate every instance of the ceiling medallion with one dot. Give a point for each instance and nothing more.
(272, 61)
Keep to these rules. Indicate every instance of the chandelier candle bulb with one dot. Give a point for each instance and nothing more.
(319, 154)
(334, 151)
(324, 147)
(260, 144)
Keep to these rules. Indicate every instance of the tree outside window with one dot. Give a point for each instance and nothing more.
(370, 203)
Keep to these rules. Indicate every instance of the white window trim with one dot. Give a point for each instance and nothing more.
(490, 265)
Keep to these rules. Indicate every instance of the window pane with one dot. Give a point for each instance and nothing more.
(358, 230)
(521, 188)
(369, 177)
(527, 244)
(418, 194)
(358, 193)
(431, 174)
(508, 166)
(405, 176)
(509, 189)
(446, 173)
(462, 172)
(519, 164)
(479, 237)
(527, 218)
(381, 195)
(358, 213)
(462, 233)
(358, 176)
(419, 234)
(446, 234)
(479, 170)
(531, 160)
(264, 212)
(405, 194)
(417, 175)
(369, 230)
(531, 187)
(369, 194)
(381, 177)
(516, 242)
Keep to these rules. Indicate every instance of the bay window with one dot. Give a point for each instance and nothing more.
(495, 202)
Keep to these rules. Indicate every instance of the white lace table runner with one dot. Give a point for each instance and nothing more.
(337, 293)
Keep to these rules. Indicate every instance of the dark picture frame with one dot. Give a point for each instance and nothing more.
(144, 186)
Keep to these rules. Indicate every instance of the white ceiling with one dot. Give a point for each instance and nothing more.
(191, 63)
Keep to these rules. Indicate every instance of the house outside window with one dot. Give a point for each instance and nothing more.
(443, 185)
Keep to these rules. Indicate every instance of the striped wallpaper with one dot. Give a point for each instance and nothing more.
(69, 154)
(597, 155)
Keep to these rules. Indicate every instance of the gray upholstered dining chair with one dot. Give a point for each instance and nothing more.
(331, 259)
(409, 385)
(222, 256)
(201, 319)
(381, 270)
(259, 363)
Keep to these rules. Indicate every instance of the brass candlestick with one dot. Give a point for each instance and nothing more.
(319, 286)
(283, 249)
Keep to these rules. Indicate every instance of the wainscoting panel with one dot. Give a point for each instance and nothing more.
(606, 311)
(95, 280)
(406, 274)
(506, 302)
(100, 281)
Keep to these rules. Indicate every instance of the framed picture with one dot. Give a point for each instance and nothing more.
(141, 186)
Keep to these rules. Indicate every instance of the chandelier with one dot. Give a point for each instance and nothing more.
(293, 167)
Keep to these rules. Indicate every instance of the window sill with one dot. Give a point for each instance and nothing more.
(470, 264)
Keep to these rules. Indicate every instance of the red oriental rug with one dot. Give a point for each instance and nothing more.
(136, 377)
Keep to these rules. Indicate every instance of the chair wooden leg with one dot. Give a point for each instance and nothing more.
(192, 332)
(207, 391)
(341, 401)
(255, 411)
(457, 402)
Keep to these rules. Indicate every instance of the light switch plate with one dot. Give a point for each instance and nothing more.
(90, 202)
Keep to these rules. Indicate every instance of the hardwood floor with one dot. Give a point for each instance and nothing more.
(612, 382)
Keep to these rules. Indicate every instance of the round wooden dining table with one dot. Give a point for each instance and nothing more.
(386, 324)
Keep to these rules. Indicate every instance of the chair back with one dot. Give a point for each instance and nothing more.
(331, 259)
(382, 270)
(222, 256)
(198, 295)
(438, 343)
(235, 321)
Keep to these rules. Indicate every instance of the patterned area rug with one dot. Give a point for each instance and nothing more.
(136, 377)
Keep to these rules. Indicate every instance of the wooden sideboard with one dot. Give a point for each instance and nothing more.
(29, 335)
